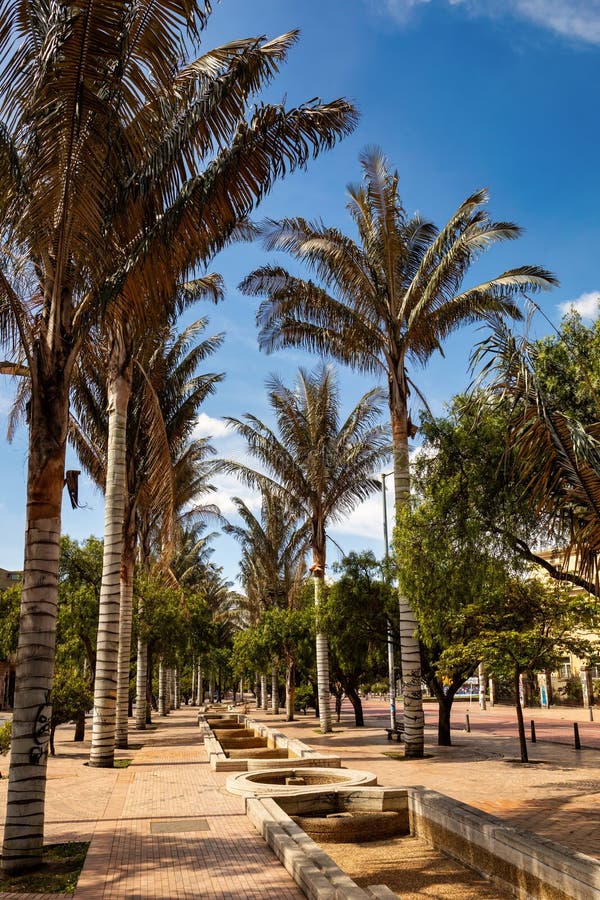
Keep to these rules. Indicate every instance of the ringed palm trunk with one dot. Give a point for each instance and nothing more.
(290, 690)
(124, 657)
(162, 689)
(264, 703)
(414, 723)
(24, 824)
(141, 683)
(318, 570)
(102, 752)
(275, 690)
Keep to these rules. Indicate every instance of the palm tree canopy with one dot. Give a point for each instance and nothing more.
(556, 457)
(166, 469)
(124, 163)
(274, 548)
(392, 297)
(321, 466)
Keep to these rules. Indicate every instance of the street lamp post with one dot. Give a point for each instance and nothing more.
(390, 637)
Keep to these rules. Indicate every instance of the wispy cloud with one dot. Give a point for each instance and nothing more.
(574, 19)
(586, 305)
(208, 426)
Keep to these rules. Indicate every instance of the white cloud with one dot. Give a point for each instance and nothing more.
(579, 19)
(366, 521)
(586, 305)
(574, 19)
(207, 426)
(228, 487)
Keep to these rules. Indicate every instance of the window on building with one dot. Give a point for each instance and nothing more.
(595, 671)
(564, 668)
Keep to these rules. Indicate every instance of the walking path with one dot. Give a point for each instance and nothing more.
(163, 828)
(166, 827)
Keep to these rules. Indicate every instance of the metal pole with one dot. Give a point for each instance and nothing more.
(390, 638)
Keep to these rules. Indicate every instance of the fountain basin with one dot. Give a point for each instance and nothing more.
(279, 781)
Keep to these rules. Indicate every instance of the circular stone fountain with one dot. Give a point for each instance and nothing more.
(272, 782)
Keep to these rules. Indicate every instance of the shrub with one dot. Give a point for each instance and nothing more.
(5, 735)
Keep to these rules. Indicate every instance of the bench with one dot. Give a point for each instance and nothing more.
(397, 732)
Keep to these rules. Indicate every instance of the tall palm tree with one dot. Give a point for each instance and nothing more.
(164, 394)
(272, 565)
(384, 303)
(122, 165)
(321, 467)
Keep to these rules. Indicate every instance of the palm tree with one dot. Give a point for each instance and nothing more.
(321, 468)
(272, 566)
(122, 166)
(164, 393)
(380, 305)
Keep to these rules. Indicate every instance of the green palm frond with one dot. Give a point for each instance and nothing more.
(322, 469)
(556, 458)
(394, 296)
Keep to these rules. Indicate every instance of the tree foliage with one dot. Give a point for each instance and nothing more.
(356, 609)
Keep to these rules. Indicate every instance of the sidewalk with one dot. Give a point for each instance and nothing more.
(163, 828)
(166, 827)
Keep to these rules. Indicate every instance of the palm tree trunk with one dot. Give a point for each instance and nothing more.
(162, 689)
(322, 654)
(24, 824)
(414, 721)
(200, 686)
(193, 696)
(140, 684)
(482, 677)
(275, 690)
(290, 691)
(124, 656)
(102, 752)
(168, 694)
(176, 692)
(264, 700)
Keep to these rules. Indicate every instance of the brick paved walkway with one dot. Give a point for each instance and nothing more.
(166, 828)
(163, 828)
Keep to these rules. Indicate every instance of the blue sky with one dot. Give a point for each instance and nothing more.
(460, 94)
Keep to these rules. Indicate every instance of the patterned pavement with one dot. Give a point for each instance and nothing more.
(166, 828)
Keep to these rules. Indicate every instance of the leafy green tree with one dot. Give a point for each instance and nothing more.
(80, 576)
(356, 611)
(533, 626)
(10, 604)
(450, 569)
(567, 365)
(554, 457)
(72, 696)
(381, 305)
(322, 468)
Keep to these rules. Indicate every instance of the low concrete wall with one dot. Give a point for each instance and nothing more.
(298, 754)
(310, 867)
(523, 864)
(518, 860)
